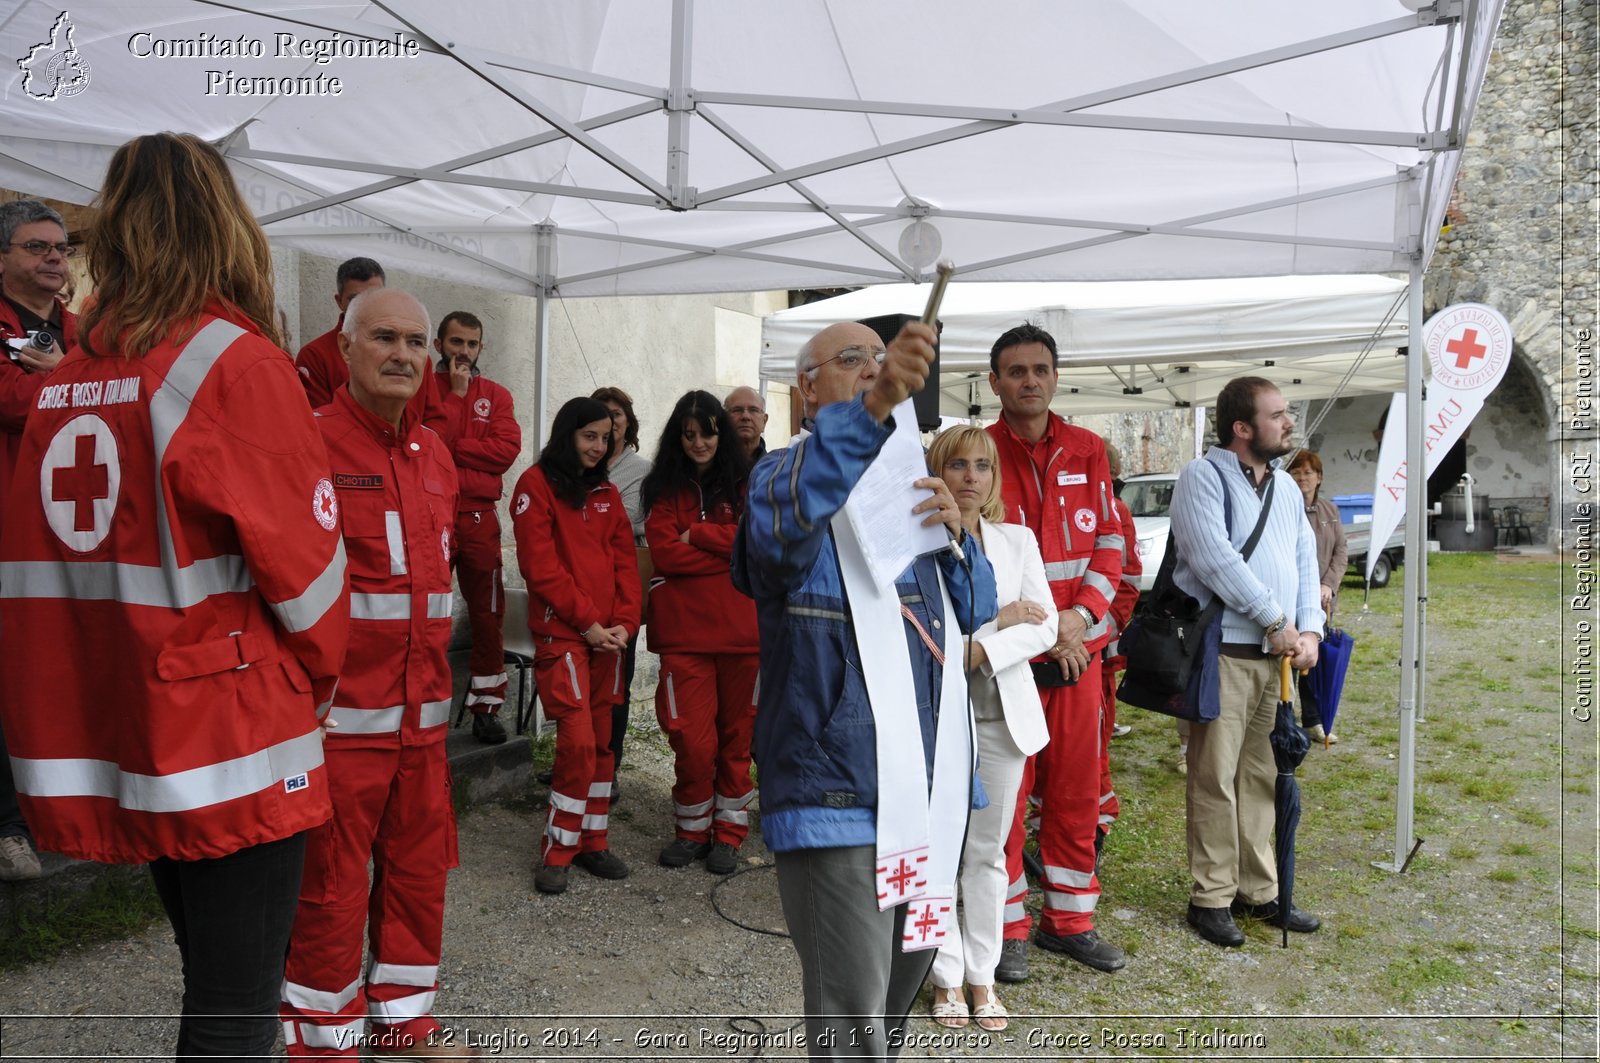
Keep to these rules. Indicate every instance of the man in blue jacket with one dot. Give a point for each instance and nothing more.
(820, 740)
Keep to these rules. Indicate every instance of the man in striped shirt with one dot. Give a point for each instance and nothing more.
(1272, 609)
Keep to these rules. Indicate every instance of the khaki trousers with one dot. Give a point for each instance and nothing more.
(1231, 778)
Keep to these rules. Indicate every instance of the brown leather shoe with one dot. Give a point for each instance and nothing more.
(439, 1045)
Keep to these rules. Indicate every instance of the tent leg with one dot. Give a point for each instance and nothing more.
(544, 253)
(1416, 568)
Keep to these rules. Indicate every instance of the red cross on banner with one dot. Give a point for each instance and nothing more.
(1466, 347)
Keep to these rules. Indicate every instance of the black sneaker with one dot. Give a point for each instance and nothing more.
(1300, 921)
(1013, 965)
(682, 852)
(487, 728)
(724, 859)
(546, 777)
(602, 863)
(550, 879)
(1086, 948)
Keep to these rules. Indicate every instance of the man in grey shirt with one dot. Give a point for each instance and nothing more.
(1271, 610)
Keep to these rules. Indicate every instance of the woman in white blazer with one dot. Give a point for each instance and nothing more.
(1010, 721)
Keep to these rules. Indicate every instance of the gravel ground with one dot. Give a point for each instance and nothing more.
(1485, 949)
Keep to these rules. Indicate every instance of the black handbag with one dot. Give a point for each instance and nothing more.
(1171, 643)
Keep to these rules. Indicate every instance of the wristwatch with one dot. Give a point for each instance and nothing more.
(1277, 625)
(1088, 618)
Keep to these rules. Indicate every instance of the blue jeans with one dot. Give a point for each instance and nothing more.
(231, 917)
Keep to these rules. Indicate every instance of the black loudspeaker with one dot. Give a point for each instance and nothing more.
(888, 326)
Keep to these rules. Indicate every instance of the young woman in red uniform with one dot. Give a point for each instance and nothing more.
(704, 630)
(575, 550)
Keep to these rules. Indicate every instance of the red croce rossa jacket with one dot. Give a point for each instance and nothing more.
(1065, 497)
(323, 372)
(19, 388)
(693, 605)
(579, 563)
(481, 430)
(397, 494)
(173, 600)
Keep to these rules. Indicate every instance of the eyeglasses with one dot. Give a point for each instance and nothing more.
(851, 359)
(41, 248)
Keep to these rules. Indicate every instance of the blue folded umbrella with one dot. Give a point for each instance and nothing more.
(1326, 679)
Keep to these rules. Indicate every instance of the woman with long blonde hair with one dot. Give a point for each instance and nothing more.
(178, 521)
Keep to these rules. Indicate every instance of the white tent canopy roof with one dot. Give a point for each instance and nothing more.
(637, 146)
(1134, 345)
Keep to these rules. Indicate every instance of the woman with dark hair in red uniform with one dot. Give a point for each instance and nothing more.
(704, 630)
(575, 550)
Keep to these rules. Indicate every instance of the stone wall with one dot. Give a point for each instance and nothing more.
(1521, 232)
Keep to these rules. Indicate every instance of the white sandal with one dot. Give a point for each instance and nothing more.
(994, 1011)
(952, 1011)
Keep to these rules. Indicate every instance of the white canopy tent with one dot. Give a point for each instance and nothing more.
(1139, 345)
(632, 146)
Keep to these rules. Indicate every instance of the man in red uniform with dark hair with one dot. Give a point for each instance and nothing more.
(387, 772)
(1054, 478)
(321, 364)
(482, 433)
(33, 270)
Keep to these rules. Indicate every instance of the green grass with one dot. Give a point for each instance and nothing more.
(1412, 976)
(1491, 790)
(1503, 874)
(121, 902)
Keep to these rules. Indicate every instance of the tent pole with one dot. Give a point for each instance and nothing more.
(1416, 568)
(1199, 431)
(544, 269)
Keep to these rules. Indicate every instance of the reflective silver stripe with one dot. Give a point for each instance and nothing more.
(401, 1009)
(372, 606)
(594, 823)
(1066, 877)
(1014, 911)
(111, 581)
(599, 789)
(416, 974)
(742, 801)
(698, 809)
(180, 791)
(1057, 570)
(1101, 584)
(1131, 581)
(730, 816)
(672, 699)
(307, 999)
(302, 613)
(755, 695)
(327, 706)
(353, 721)
(289, 1037)
(562, 836)
(1106, 821)
(342, 1036)
(397, 542)
(1017, 887)
(1107, 542)
(616, 682)
(169, 408)
(1108, 796)
(1100, 628)
(479, 682)
(1070, 902)
(474, 698)
(575, 805)
(697, 824)
(435, 713)
(572, 671)
(814, 613)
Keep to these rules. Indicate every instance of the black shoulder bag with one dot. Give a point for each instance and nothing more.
(1171, 643)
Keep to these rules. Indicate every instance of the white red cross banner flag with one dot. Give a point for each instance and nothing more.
(1469, 347)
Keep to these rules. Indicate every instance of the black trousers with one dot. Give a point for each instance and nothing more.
(231, 917)
(12, 825)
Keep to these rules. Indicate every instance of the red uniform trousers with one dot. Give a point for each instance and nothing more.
(1065, 775)
(478, 562)
(392, 805)
(706, 704)
(578, 688)
(1110, 807)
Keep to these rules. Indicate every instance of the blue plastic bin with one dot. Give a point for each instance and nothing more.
(1353, 506)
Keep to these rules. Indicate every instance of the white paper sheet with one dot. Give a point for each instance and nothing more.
(879, 509)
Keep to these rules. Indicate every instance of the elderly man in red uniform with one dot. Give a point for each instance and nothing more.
(321, 362)
(33, 270)
(1054, 479)
(482, 433)
(387, 772)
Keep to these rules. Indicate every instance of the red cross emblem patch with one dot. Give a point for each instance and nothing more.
(80, 477)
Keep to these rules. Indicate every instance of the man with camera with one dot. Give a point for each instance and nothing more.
(482, 433)
(36, 328)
